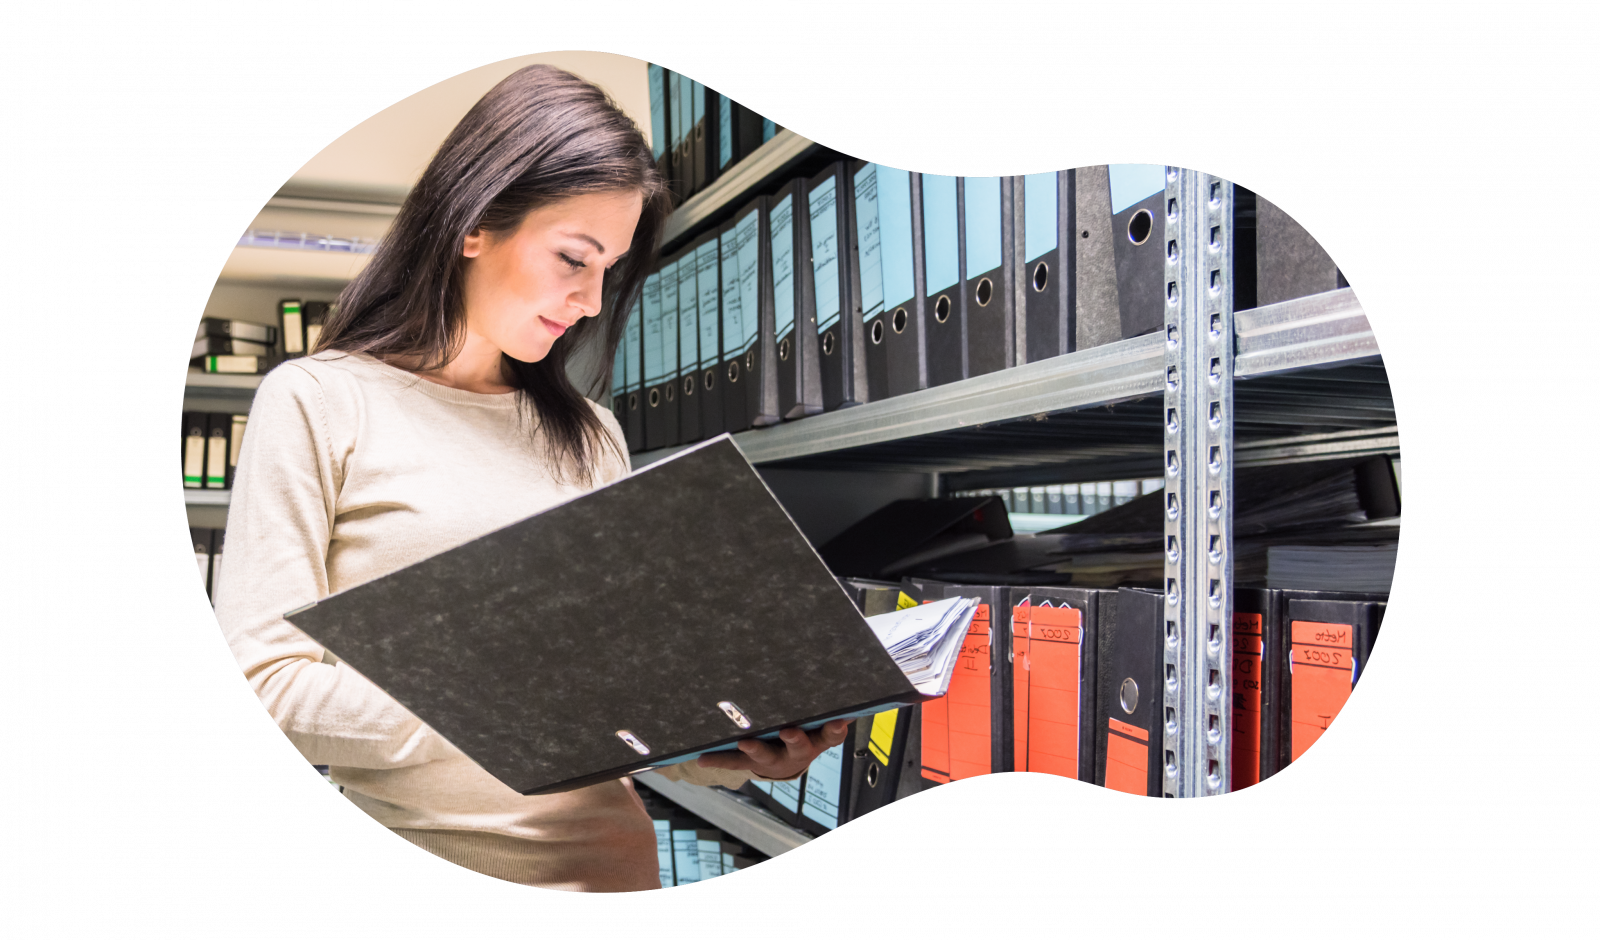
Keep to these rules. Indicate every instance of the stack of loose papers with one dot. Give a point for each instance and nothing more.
(924, 641)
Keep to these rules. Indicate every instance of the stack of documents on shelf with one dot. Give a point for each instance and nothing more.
(924, 640)
(1361, 568)
(672, 612)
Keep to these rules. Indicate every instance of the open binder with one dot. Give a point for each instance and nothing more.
(675, 611)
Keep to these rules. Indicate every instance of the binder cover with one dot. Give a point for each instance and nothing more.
(292, 328)
(988, 302)
(315, 316)
(699, 155)
(941, 272)
(678, 176)
(836, 289)
(1052, 703)
(555, 667)
(236, 426)
(1049, 224)
(633, 356)
(1138, 226)
(1329, 637)
(708, 280)
(1099, 320)
(1289, 262)
(794, 305)
(237, 329)
(956, 730)
(894, 537)
(219, 429)
(888, 268)
(202, 556)
(737, 341)
(227, 346)
(760, 366)
(879, 759)
(1257, 649)
(194, 449)
(688, 347)
(660, 132)
(1128, 705)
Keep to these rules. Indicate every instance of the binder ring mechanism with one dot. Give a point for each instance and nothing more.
(632, 741)
(734, 714)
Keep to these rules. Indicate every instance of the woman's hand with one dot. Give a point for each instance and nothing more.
(780, 762)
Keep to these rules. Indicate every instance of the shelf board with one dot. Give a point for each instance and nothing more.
(785, 149)
(213, 381)
(1312, 365)
(761, 831)
(205, 497)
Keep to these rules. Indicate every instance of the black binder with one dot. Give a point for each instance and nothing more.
(193, 453)
(1048, 713)
(291, 326)
(202, 556)
(720, 125)
(217, 538)
(236, 329)
(554, 667)
(708, 280)
(1128, 707)
(219, 430)
(733, 383)
(1049, 225)
(1099, 320)
(660, 415)
(699, 152)
(836, 288)
(1259, 657)
(660, 120)
(758, 365)
(236, 426)
(1138, 227)
(988, 272)
(679, 176)
(688, 345)
(879, 756)
(1326, 641)
(794, 306)
(315, 316)
(227, 346)
(941, 272)
(633, 407)
(888, 238)
(1289, 263)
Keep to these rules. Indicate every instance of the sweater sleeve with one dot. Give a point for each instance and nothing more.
(280, 519)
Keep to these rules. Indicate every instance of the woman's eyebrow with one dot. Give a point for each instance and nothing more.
(588, 238)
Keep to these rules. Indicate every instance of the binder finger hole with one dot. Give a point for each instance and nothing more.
(688, 386)
(1041, 276)
(733, 372)
(1128, 695)
(710, 379)
(1140, 226)
(750, 361)
(655, 397)
(872, 775)
(633, 401)
(941, 308)
(632, 741)
(985, 291)
(877, 332)
(784, 347)
(900, 319)
(827, 343)
(672, 392)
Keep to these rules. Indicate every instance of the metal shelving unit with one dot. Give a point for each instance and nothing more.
(749, 824)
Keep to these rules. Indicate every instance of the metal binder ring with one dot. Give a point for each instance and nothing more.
(985, 292)
(734, 714)
(710, 379)
(783, 349)
(633, 401)
(733, 372)
(827, 343)
(1140, 225)
(872, 774)
(655, 397)
(877, 332)
(1041, 276)
(688, 386)
(941, 308)
(632, 741)
(900, 319)
(750, 361)
(671, 391)
(1128, 695)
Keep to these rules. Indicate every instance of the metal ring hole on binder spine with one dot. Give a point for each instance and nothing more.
(655, 397)
(783, 349)
(710, 379)
(827, 343)
(985, 291)
(1128, 695)
(671, 391)
(733, 372)
(688, 386)
(1140, 226)
(632, 741)
(750, 361)
(633, 401)
(1041, 276)
(877, 332)
(900, 319)
(734, 714)
(872, 775)
(941, 308)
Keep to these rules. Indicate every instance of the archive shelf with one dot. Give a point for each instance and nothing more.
(749, 824)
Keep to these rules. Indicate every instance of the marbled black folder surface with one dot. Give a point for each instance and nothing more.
(639, 606)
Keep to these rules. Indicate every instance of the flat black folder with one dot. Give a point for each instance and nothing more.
(554, 666)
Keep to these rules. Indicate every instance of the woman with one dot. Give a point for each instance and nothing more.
(436, 409)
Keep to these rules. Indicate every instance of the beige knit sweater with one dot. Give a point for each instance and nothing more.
(351, 469)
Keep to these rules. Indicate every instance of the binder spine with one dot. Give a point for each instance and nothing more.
(1098, 318)
(688, 346)
(708, 275)
(835, 289)
(867, 276)
(732, 381)
(941, 270)
(988, 274)
(764, 410)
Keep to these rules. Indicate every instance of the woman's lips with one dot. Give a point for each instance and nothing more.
(553, 326)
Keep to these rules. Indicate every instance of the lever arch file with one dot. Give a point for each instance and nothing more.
(553, 666)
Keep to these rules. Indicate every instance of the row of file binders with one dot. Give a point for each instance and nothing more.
(1071, 499)
(234, 346)
(698, 134)
(210, 449)
(864, 282)
(1067, 681)
(688, 849)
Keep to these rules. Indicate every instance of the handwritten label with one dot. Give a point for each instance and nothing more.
(968, 700)
(1246, 700)
(1321, 673)
(1054, 666)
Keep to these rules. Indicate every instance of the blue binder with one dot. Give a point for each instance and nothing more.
(1138, 226)
(708, 281)
(799, 374)
(836, 289)
(1049, 274)
(988, 271)
(941, 269)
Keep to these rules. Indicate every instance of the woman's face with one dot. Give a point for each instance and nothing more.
(525, 288)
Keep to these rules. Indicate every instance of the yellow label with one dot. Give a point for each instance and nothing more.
(882, 740)
(905, 601)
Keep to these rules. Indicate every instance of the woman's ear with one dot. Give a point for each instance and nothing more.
(472, 244)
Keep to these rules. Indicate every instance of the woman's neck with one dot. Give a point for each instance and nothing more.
(477, 367)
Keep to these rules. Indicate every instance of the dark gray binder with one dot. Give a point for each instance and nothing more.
(1048, 219)
(794, 307)
(836, 288)
(554, 666)
(944, 337)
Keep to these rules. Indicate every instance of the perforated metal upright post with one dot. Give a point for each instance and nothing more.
(1198, 435)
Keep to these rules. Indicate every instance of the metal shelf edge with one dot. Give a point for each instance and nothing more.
(771, 157)
(206, 497)
(1319, 330)
(213, 382)
(762, 833)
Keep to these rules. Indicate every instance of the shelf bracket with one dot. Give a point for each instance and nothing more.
(1198, 457)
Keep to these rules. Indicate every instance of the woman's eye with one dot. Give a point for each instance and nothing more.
(572, 263)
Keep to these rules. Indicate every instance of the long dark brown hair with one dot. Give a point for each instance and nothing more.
(540, 135)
